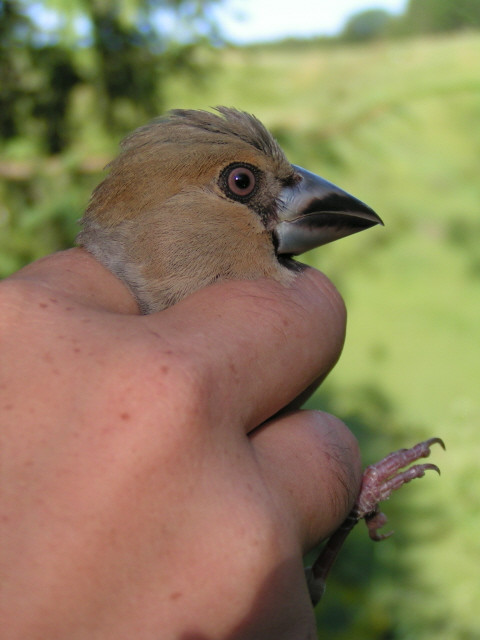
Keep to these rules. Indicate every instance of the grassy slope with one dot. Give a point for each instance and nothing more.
(397, 125)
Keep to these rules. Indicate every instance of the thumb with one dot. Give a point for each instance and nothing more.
(311, 463)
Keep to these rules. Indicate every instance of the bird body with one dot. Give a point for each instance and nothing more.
(196, 197)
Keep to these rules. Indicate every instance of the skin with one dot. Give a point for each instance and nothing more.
(140, 497)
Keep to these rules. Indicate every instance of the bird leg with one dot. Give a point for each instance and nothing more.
(378, 482)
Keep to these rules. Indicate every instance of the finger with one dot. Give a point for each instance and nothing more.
(311, 462)
(75, 273)
(258, 344)
(254, 346)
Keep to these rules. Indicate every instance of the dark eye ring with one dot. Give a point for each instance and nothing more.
(240, 181)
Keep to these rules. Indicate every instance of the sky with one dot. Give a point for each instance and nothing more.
(245, 21)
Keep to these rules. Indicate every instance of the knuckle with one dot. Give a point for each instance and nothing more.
(171, 383)
(15, 297)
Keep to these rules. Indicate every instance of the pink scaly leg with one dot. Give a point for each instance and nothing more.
(378, 482)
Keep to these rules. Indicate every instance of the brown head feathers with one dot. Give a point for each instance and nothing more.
(162, 219)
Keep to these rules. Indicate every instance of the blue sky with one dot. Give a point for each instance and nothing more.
(244, 21)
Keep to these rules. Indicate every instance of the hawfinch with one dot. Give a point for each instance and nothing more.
(197, 197)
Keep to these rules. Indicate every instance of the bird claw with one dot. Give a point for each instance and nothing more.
(381, 478)
(378, 482)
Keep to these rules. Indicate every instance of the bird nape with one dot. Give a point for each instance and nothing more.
(189, 189)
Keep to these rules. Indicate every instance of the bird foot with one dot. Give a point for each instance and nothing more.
(378, 482)
(381, 478)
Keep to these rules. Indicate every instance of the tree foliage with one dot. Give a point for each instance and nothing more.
(421, 16)
(442, 15)
(367, 25)
(121, 50)
(74, 78)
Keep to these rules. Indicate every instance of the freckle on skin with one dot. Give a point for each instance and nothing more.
(8, 407)
(43, 305)
(164, 369)
(125, 415)
(77, 350)
(175, 595)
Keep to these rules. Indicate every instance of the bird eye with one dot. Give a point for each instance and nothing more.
(240, 181)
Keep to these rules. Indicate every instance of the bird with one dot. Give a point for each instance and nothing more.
(195, 197)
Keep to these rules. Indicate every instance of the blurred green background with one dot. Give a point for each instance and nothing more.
(390, 111)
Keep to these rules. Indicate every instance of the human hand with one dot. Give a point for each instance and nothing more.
(141, 497)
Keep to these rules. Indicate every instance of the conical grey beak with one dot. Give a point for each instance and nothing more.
(314, 211)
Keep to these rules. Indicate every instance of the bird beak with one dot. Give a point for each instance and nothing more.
(314, 211)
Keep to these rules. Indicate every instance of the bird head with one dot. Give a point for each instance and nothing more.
(197, 197)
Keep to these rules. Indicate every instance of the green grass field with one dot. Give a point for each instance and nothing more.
(398, 125)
